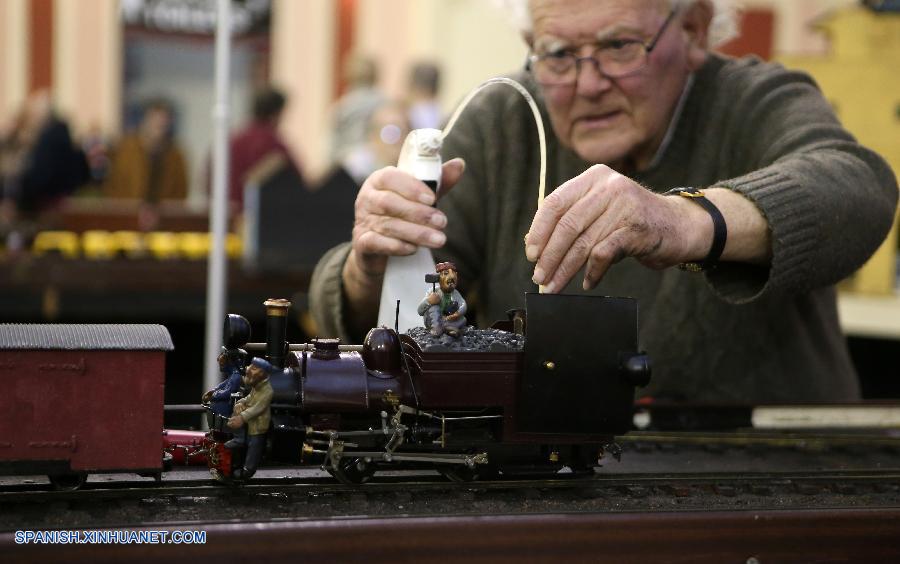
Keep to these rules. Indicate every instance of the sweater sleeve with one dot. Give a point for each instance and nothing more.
(463, 205)
(829, 201)
(326, 294)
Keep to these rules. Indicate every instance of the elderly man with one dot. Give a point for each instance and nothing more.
(254, 412)
(639, 106)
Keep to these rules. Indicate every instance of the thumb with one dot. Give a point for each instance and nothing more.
(452, 171)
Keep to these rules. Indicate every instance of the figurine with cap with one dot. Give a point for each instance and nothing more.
(251, 418)
(444, 309)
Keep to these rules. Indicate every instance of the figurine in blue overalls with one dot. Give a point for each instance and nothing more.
(231, 364)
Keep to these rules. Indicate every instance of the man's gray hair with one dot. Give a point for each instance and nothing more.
(724, 25)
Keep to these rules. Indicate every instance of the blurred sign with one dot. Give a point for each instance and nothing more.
(883, 5)
(195, 16)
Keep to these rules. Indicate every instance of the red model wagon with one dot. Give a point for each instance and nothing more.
(80, 399)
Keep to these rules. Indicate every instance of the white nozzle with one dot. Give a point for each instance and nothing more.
(420, 155)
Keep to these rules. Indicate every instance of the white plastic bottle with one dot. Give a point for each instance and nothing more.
(404, 276)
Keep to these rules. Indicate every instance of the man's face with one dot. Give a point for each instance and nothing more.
(619, 121)
(156, 124)
(448, 280)
(254, 374)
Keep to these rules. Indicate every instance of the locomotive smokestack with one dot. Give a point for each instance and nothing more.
(276, 330)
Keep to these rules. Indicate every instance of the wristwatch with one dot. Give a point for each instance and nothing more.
(720, 230)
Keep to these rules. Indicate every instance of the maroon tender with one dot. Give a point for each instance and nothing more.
(81, 399)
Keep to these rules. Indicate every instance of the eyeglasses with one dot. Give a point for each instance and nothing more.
(614, 58)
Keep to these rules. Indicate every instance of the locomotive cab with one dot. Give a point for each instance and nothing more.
(581, 365)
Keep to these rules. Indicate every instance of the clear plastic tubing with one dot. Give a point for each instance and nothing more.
(539, 122)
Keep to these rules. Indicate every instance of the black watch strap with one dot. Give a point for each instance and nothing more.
(720, 230)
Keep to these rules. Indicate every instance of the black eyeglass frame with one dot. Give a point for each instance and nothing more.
(648, 48)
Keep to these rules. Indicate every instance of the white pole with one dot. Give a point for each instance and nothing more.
(216, 275)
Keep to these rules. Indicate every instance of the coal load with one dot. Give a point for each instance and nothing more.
(474, 340)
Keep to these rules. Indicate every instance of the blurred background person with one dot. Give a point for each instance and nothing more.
(424, 87)
(258, 141)
(39, 163)
(147, 164)
(9, 157)
(96, 149)
(385, 131)
(354, 109)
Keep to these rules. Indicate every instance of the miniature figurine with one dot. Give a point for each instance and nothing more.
(231, 365)
(252, 415)
(444, 310)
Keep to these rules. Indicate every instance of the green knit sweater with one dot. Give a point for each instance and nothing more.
(738, 334)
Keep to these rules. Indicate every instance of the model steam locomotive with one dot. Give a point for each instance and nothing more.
(549, 387)
(541, 390)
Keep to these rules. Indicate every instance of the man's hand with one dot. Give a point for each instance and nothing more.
(235, 422)
(452, 316)
(433, 298)
(600, 217)
(238, 408)
(206, 397)
(394, 214)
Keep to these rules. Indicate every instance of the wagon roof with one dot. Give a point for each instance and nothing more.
(142, 337)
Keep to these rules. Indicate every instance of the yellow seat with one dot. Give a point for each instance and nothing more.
(194, 245)
(97, 245)
(129, 243)
(162, 245)
(63, 242)
(234, 246)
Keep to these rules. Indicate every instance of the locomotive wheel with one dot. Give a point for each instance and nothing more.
(581, 465)
(68, 482)
(353, 471)
(462, 473)
(582, 471)
(581, 460)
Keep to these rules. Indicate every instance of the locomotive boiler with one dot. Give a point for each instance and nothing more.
(549, 387)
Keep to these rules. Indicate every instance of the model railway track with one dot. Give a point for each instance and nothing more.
(17, 493)
(202, 501)
(769, 440)
(635, 485)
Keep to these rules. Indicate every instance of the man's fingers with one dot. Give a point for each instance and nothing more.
(574, 257)
(545, 220)
(374, 243)
(395, 180)
(390, 204)
(408, 231)
(451, 172)
(412, 189)
(572, 238)
(605, 254)
(556, 205)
